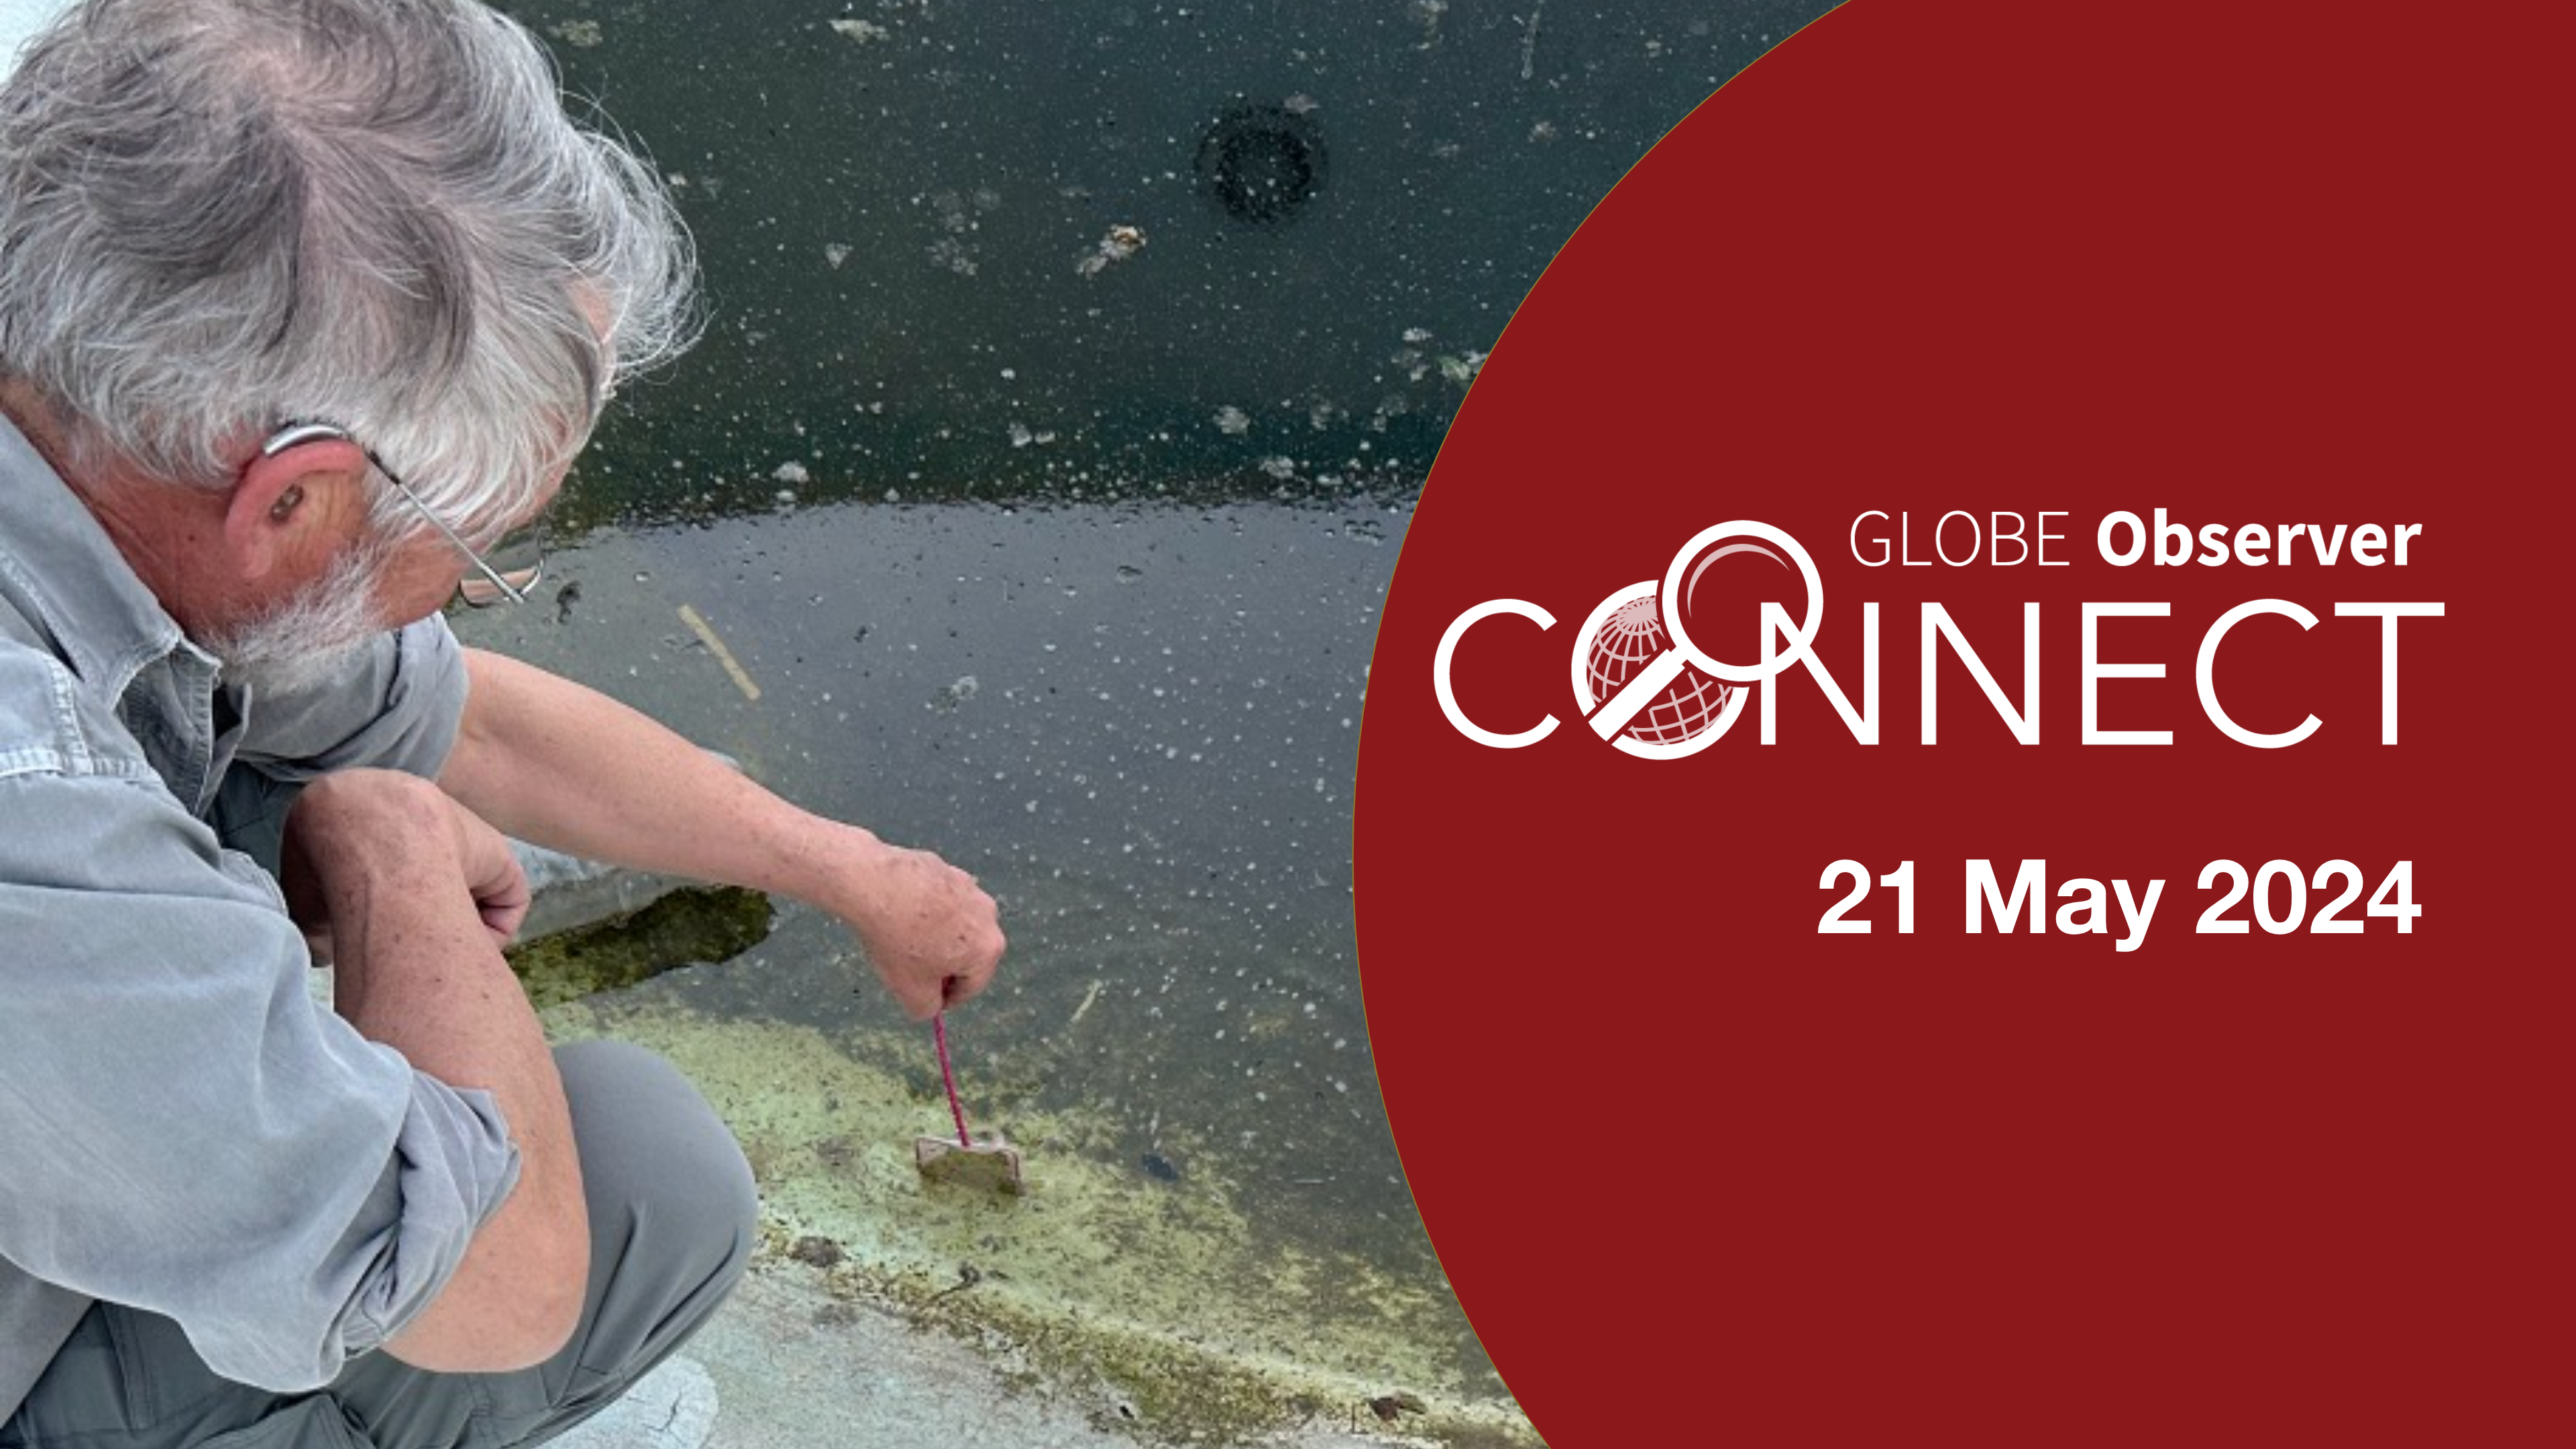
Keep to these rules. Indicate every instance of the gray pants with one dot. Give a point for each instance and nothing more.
(672, 1213)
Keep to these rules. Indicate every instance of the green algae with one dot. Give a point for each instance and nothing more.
(690, 925)
(1154, 1386)
(1150, 1300)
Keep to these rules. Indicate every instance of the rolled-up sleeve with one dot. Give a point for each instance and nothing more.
(396, 706)
(181, 1128)
(452, 1165)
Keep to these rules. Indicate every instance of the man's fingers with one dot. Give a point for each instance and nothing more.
(491, 873)
(970, 982)
(919, 1003)
(503, 919)
(926, 986)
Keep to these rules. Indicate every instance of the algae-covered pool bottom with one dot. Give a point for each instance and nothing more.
(1154, 1299)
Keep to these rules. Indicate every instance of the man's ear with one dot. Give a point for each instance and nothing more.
(293, 501)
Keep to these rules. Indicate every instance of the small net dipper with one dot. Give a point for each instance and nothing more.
(992, 1165)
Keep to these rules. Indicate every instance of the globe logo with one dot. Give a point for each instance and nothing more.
(1641, 681)
(1626, 642)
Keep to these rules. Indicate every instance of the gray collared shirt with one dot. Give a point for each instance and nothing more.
(181, 1129)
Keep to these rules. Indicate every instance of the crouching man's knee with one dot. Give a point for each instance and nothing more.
(673, 1211)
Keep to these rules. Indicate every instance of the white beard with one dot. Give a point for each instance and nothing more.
(307, 638)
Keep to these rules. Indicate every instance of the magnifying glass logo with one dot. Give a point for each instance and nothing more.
(1673, 601)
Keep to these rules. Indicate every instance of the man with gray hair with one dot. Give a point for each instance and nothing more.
(304, 306)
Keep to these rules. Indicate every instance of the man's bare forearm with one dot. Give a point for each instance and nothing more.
(418, 969)
(564, 766)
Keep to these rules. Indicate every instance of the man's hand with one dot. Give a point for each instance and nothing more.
(491, 873)
(343, 814)
(932, 933)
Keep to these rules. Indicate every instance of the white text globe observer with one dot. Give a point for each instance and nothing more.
(1631, 636)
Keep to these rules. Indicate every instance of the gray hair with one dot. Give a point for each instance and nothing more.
(219, 216)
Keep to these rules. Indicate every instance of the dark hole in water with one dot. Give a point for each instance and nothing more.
(1262, 163)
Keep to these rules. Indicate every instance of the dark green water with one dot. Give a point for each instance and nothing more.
(894, 228)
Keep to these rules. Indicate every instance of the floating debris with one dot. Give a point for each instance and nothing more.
(1300, 103)
(1233, 421)
(861, 31)
(1280, 467)
(791, 472)
(1463, 368)
(949, 696)
(732, 667)
(1088, 997)
(581, 33)
(836, 253)
(1427, 13)
(1118, 244)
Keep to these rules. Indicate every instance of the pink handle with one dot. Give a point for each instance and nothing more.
(948, 1075)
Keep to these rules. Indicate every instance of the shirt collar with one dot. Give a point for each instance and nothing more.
(105, 623)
